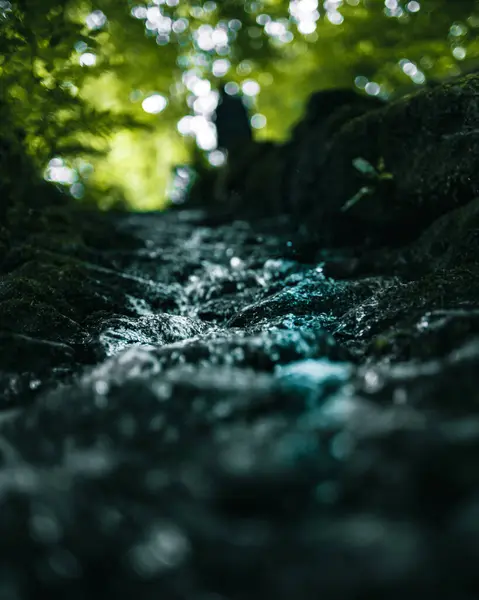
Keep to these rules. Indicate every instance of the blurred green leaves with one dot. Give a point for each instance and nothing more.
(77, 78)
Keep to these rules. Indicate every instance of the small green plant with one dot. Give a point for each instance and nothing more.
(374, 174)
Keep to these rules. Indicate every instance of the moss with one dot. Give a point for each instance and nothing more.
(267, 178)
(30, 290)
(73, 284)
(392, 314)
(39, 319)
(427, 143)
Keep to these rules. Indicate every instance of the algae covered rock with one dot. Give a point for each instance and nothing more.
(326, 112)
(423, 150)
(267, 178)
(391, 168)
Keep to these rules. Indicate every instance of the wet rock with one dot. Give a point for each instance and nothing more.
(200, 407)
(262, 351)
(450, 240)
(391, 169)
(433, 335)
(309, 293)
(117, 333)
(444, 384)
(32, 364)
(395, 306)
(420, 149)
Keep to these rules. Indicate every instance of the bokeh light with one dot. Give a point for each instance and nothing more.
(58, 172)
(88, 59)
(258, 121)
(96, 20)
(171, 58)
(154, 104)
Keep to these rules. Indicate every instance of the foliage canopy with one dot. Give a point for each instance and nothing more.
(106, 96)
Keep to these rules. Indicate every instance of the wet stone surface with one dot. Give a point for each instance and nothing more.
(207, 416)
(196, 407)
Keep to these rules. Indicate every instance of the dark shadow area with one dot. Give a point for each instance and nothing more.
(268, 390)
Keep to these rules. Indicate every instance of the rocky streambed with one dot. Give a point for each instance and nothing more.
(225, 404)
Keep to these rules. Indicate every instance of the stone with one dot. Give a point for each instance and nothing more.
(212, 404)
(422, 149)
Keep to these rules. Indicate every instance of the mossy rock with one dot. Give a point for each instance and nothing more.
(431, 336)
(391, 310)
(27, 289)
(425, 151)
(326, 113)
(37, 319)
(265, 178)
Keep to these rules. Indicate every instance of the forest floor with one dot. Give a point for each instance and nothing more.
(202, 407)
